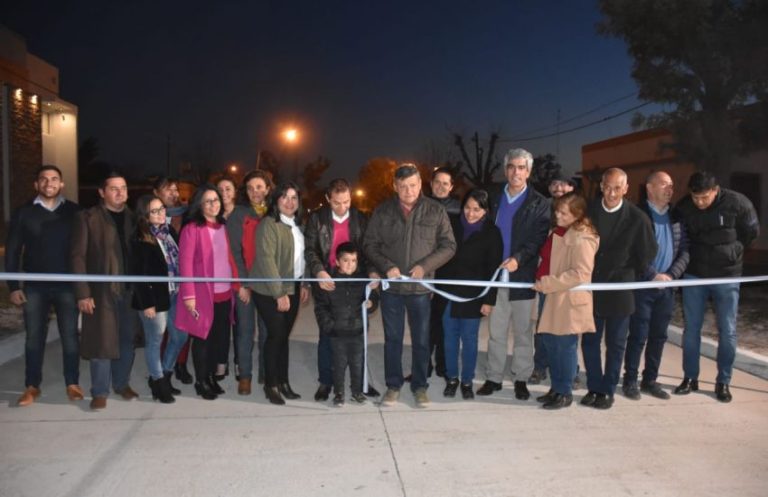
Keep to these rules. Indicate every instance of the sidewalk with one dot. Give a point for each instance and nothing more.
(496, 446)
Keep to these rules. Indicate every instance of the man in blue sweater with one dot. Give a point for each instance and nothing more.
(38, 242)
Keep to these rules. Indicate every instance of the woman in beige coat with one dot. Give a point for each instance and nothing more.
(567, 259)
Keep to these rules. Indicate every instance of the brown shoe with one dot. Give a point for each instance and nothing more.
(127, 393)
(29, 396)
(98, 403)
(74, 392)
(244, 386)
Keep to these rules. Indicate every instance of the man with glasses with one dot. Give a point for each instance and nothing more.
(721, 225)
(408, 235)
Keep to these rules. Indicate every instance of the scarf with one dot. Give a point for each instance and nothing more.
(170, 250)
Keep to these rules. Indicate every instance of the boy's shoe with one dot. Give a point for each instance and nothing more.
(391, 397)
(421, 397)
(358, 398)
(338, 400)
(466, 391)
(450, 387)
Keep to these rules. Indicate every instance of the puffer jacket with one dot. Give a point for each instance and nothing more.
(339, 311)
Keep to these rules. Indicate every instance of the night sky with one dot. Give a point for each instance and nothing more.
(360, 81)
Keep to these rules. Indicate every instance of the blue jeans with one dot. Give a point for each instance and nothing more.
(562, 358)
(153, 337)
(324, 360)
(540, 362)
(653, 312)
(725, 299)
(244, 331)
(176, 338)
(462, 330)
(117, 371)
(393, 310)
(616, 329)
(40, 298)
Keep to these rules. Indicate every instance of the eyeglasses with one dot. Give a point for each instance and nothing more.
(157, 211)
(211, 201)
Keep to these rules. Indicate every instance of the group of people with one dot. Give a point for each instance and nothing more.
(544, 248)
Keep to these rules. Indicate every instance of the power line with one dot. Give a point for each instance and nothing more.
(570, 130)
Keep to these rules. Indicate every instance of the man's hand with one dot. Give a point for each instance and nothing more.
(86, 306)
(662, 277)
(510, 264)
(18, 298)
(150, 313)
(283, 303)
(393, 273)
(486, 309)
(326, 285)
(417, 272)
(244, 294)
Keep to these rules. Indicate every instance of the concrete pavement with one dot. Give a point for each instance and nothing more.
(496, 446)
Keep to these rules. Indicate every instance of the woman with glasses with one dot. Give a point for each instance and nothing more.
(155, 253)
(280, 258)
(205, 308)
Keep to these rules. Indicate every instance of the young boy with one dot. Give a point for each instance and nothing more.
(340, 316)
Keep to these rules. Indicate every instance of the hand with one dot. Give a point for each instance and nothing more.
(393, 273)
(326, 285)
(304, 295)
(368, 304)
(662, 277)
(190, 305)
(486, 309)
(283, 303)
(537, 286)
(86, 305)
(417, 272)
(244, 294)
(510, 264)
(375, 283)
(150, 313)
(18, 297)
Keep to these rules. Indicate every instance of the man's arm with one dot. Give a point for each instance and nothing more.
(747, 224)
(372, 243)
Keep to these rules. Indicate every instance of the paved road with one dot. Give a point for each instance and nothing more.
(498, 446)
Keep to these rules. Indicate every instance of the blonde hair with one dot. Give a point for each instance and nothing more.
(578, 207)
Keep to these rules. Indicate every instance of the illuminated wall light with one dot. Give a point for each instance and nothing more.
(33, 99)
(17, 94)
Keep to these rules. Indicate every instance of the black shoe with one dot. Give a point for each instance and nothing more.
(654, 389)
(631, 390)
(687, 386)
(546, 397)
(161, 390)
(408, 378)
(204, 390)
(537, 376)
(589, 399)
(603, 401)
(182, 374)
(723, 393)
(450, 388)
(521, 391)
(174, 390)
(558, 401)
(215, 385)
(358, 398)
(372, 392)
(466, 391)
(287, 391)
(488, 388)
(273, 395)
(338, 400)
(323, 391)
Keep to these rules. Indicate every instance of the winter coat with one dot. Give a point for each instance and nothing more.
(339, 311)
(274, 246)
(566, 311)
(318, 238)
(149, 260)
(680, 243)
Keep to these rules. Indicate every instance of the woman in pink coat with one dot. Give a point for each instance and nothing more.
(205, 308)
(567, 260)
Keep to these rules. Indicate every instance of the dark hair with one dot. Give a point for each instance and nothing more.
(444, 170)
(281, 190)
(265, 175)
(406, 170)
(578, 207)
(346, 248)
(226, 177)
(195, 209)
(478, 195)
(163, 181)
(142, 218)
(702, 181)
(48, 167)
(337, 185)
(110, 175)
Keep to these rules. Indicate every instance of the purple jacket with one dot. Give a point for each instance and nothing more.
(196, 259)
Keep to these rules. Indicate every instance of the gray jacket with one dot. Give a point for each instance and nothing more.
(424, 238)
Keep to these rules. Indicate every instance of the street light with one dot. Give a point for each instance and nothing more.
(291, 137)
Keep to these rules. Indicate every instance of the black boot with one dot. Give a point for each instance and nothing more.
(450, 388)
(182, 374)
(287, 391)
(205, 390)
(273, 395)
(215, 385)
(174, 390)
(162, 390)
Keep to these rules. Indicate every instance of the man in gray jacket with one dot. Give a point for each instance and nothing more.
(408, 235)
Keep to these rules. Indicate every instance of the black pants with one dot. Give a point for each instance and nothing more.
(436, 335)
(205, 353)
(347, 351)
(279, 326)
